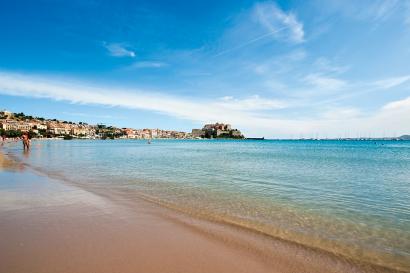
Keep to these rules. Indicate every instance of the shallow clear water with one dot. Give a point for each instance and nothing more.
(348, 197)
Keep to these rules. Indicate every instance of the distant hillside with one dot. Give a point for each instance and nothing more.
(405, 137)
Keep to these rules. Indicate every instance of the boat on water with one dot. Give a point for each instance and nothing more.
(255, 138)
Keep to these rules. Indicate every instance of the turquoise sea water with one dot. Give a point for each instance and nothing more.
(347, 197)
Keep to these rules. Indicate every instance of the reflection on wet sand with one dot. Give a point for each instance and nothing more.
(26, 153)
(6, 164)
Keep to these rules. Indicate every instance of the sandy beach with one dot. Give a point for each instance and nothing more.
(47, 225)
(257, 136)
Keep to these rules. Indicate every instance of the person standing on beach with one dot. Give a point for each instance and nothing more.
(3, 139)
(26, 141)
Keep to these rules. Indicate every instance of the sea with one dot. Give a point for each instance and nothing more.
(351, 198)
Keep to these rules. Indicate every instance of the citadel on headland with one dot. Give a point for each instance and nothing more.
(217, 130)
(14, 124)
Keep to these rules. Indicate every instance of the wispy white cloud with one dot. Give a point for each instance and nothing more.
(392, 82)
(251, 41)
(278, 64)
(252, 103)
(119, 50)
(341, 113)
(273, 18)
(324, 82)
(383, 9)
(349, 90)
(86, 115)
(375, 10)
(263, 23)
(326, 66)
(148, 64)
(397, 105)
(77, 92)
(246, 114)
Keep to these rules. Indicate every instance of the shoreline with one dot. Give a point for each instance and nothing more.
(252, 251)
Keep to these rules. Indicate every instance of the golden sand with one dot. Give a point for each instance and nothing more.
(49, 226)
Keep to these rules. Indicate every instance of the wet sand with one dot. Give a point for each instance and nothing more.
(47, 225)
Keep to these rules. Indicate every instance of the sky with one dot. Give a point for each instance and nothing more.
(278, 69)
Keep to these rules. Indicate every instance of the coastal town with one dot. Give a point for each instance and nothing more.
(15, 124)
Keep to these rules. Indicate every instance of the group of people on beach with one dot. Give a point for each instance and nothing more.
(25, 138)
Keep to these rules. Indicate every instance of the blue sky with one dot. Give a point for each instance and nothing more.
(270, 68)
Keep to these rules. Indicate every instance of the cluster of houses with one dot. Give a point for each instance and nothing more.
(43, 128)
(57, 128)
(153, 133)
(11, 122)
(217, 130)
(39, 127)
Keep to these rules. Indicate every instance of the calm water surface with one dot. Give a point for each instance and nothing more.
(348, 197)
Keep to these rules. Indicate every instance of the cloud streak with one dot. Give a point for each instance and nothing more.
(247, 113)
(251, 41)
(118, 50)
(323, 82)
(269, 15)
(392, 82)
(148, 64)
(262, 23)
(252, 103)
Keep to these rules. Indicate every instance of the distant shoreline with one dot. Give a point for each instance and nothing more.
(244, 139)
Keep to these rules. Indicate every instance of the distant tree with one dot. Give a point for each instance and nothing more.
(68, 137)
(19, 116)
(13, 133)
(31, 134)
(42, 132)
(224, 136)
(117, 135)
